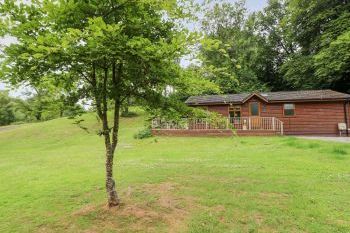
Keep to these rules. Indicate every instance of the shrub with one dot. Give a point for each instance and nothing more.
(128, 114)
(143, 133)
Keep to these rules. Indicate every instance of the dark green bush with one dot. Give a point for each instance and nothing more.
(128, 114)
(143, 133)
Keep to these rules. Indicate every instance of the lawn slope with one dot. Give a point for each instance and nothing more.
(52, 180)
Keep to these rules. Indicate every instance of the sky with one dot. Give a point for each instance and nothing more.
(256, 5)
(252, 5)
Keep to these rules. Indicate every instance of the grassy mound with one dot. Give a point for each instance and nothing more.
(52, 180)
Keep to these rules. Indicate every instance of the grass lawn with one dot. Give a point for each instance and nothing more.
(52, 180)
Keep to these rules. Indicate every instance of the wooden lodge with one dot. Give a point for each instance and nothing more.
(312, 112)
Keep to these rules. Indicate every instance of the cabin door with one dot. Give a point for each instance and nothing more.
(254, 111)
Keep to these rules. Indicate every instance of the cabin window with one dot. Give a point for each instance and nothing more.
(254, 109)
(289, 109)
(264, 108)
(235, 111)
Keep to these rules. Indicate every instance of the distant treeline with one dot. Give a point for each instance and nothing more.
(37, 107)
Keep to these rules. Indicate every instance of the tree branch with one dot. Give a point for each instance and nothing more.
(116, 76)
(95, 92)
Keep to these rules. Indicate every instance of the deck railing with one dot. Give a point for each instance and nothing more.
(237, 123)
(257, 123)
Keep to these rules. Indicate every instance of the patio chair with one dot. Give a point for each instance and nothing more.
(341, 127)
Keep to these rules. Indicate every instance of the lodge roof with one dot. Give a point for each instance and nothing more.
(281, 96)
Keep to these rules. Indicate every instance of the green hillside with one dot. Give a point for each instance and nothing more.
(52, 180)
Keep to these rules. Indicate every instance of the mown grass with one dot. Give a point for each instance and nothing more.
(52, 180)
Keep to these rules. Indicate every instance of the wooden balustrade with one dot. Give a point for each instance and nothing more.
(236, 123)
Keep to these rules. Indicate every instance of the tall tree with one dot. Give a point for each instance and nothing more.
(320, 29)
(231, 51)
(273, 28)
(105, 50)
(332, 63)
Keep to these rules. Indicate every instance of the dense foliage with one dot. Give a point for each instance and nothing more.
(7, 109)
(38, 105)
(289, 45)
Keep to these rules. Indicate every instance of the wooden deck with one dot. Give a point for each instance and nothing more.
(244, 126)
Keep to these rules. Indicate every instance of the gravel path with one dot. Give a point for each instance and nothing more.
(330, 139)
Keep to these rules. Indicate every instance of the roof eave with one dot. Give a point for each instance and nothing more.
(255, 94)
(214, 103)
(308, 100)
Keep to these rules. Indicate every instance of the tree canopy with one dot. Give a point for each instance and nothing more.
(104, 50)
(289, 45)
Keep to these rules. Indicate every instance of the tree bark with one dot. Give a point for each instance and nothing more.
(126, 109)
(102, 111)
(113, 199)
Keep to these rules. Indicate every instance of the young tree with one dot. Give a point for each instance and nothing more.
(104, 50)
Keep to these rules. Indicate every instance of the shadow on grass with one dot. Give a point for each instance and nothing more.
(300, 144)
(339, 153)
(335, 152)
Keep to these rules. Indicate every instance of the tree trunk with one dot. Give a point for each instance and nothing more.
(113, 199)
(110, 143)
(126, 109)
(38, 116)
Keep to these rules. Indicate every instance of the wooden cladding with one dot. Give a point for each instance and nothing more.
(310, 118)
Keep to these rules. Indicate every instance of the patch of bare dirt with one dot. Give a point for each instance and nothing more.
(258, 218)
(252, 219)
(137, 214)
(85, 210)
(219, 208)
(274, 195)
(277, 199)
(174, 209)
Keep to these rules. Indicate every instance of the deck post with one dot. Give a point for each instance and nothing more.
(281, 128)
(273, 124)
(249, 124)
(227, 123)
